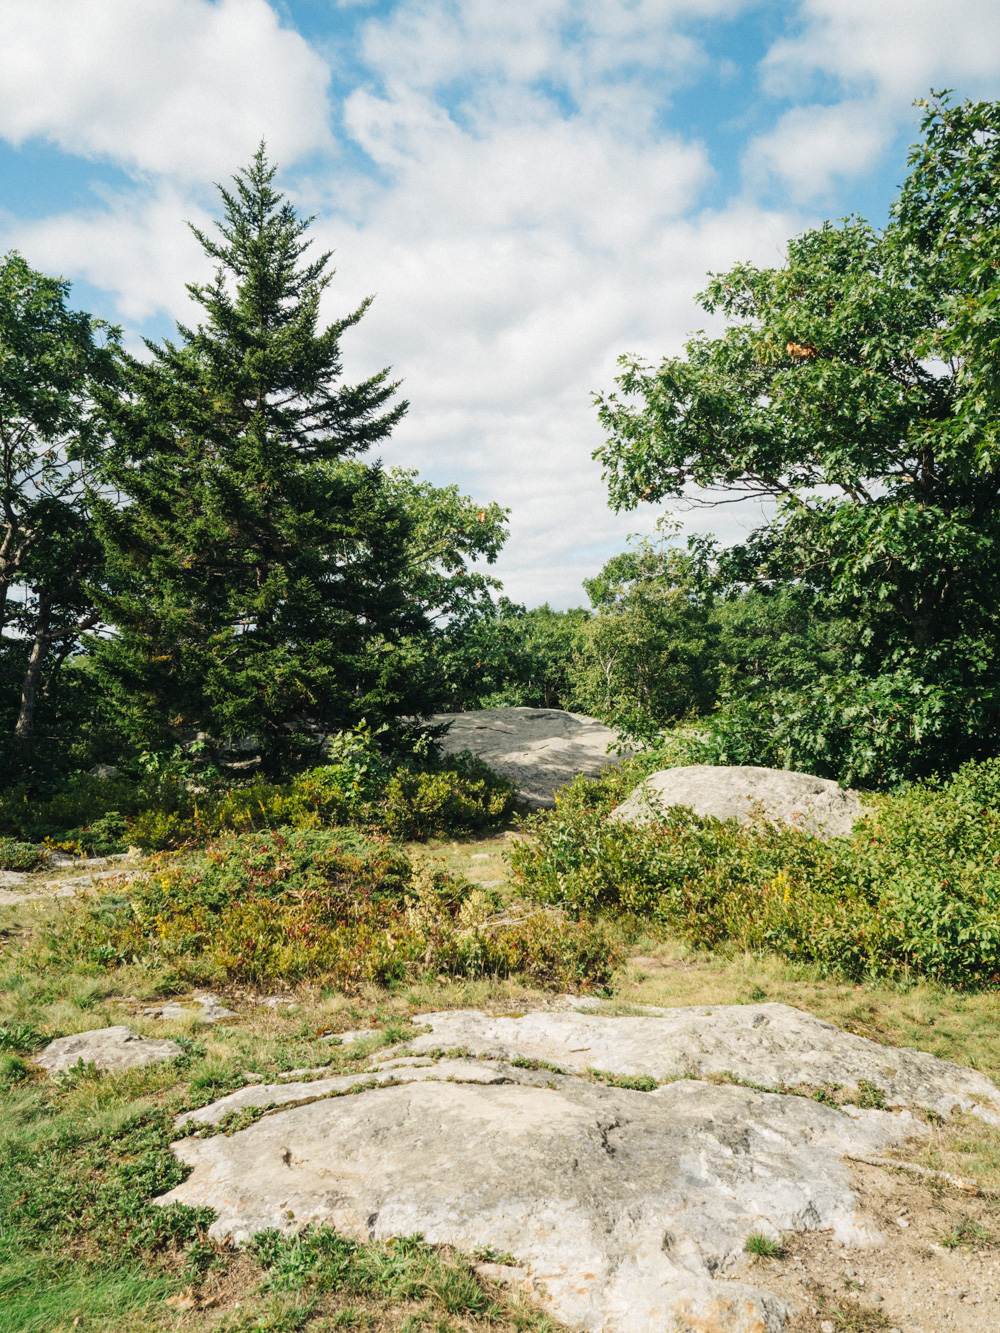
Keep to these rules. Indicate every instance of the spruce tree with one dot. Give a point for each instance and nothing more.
(259, 561)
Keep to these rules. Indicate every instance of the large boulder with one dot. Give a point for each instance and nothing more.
(777, 795)
(625, 1210)
(539, 749)
(106, 1048)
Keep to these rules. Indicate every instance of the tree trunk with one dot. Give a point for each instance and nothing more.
(26, 718)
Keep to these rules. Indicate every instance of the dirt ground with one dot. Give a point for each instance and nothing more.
(938, 1267)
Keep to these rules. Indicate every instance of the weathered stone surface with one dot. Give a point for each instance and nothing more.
(770, 1044)
(392, 1071)
(204, 1007)
(627, 1209)
(815, 804)
(539, 749)
(107, 1048)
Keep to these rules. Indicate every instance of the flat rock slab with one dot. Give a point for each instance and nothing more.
(46, 890)
(539, 749)
(780, 796)
(625, 1208)
(397, 1071)
(107, 1048)
(770, 1044)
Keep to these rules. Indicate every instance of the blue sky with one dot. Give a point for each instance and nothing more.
(531, 187)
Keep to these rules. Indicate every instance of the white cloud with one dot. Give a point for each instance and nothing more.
(892, 48)
(138, 247)
(621, 59)
(528, 217)
(880, 57)
(182, 87)
(812, 146)
(518, 242)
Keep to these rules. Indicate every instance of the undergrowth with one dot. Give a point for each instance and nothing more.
(914, 892)
(293, 905)
(176, 805)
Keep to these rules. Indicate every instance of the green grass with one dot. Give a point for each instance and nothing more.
(87, 1152)
(763, 1246)
(38, 1295)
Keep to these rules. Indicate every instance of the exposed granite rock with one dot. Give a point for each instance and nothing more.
(539, 749)
(626, 1208)
(106, 1048)
(815, 804)
(770, 1044)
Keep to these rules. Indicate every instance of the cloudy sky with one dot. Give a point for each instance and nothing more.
(531, 187)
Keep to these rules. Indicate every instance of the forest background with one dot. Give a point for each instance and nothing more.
(203, 563)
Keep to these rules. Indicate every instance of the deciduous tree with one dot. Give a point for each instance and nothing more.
(857, 387)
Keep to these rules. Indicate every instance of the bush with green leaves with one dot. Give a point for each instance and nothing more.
(293, 905)
(20, 855)
(915, 891)
(410, 795)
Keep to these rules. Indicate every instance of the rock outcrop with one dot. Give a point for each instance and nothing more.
(773, 1045)
(625, 1210)
(539, 749)
(106, 1048)
(729, 792)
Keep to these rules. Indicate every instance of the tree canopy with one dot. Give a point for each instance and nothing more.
(50, 442)
(856, 388)
(265, 570)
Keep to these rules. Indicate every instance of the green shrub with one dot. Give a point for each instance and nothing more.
(916, 890)
(414, 797)
(20, 855)
(296, 904)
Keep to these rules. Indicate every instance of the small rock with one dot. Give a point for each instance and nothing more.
(106, 1048)
(277, 1002)
(827, 1326)
(205, 1006)
(348, 1038)
(103, 771)
(12, 877)
(480, 856)
(902, 1222)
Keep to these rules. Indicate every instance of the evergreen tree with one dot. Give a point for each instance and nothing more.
(260, 563)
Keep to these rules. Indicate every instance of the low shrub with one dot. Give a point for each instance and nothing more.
(916, 890)
(416, 796)
(20, 855)
(293, 904)
(400, 1269)
(92, 1192)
